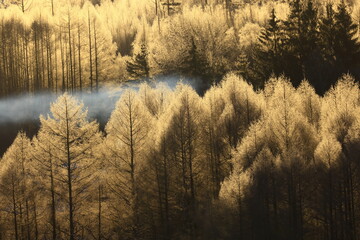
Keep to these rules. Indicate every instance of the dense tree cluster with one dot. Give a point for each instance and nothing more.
(280, 163)
(255, 159)
(58, 53)
(318, 44)
(75, 45)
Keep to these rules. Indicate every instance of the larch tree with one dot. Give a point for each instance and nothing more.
(312, 103)
(328, 154)
(156, 198)
(252, 187)
(74, 138)
(46, 164)
(184, 153)
(289, 131)
(243, 107)
(339, 120)
(156, 99)
(217, 149)
(127, 132)
(17, 188)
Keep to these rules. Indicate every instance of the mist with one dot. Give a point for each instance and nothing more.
(22, 112)
(29, 107)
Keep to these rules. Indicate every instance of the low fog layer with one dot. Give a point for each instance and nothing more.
(22, 112)
(29, 107)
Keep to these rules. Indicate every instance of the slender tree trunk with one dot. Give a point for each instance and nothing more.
(36, 222)
(21, 221)
(62, 62)
(14, 208)
(166, 196)
(74, 64)
(27, 220)
(53, 206)
(96, 58)
(99, 212)
(22, 6)
(70, 54)
(90, 53)
(52, 7)
(189, 135)
(36, 53)
(42, 56)
(27, 75)
(69, 180)
(168, 7)
(79, 58)
(56, 65)
(132, 172)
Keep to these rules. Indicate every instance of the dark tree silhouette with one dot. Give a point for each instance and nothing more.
(139, 67)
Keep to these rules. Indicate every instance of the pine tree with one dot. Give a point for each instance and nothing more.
(327, 37)
(268, 56)
(311, 53)
(346, 45)
(310, 28)
(301, 30)
(139, 67)
(293, 54)
(194, 63)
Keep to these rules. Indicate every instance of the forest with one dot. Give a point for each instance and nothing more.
(263, 142)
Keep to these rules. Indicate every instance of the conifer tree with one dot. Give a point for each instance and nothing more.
(327, 48)
(75, 138)
(310, 28)
(139, 67)
(301, 30)
(17, 187)
(194, 63)
(184, 153)
(346, 45)
(46, 164)
(127, 131)
(269, 52)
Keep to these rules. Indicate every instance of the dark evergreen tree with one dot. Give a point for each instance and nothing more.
(302, 51)
(346, 44)
(139, 66)
(339, 46)
(311, 59)
(194, 64)
(327, 39)
(309, 25)
(327, 36)
(269, 52)
(293, 58)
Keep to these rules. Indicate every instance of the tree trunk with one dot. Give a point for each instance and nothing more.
(69, 180)
(79, 58)
(96, 58)
(14, 208)
(90, 53)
